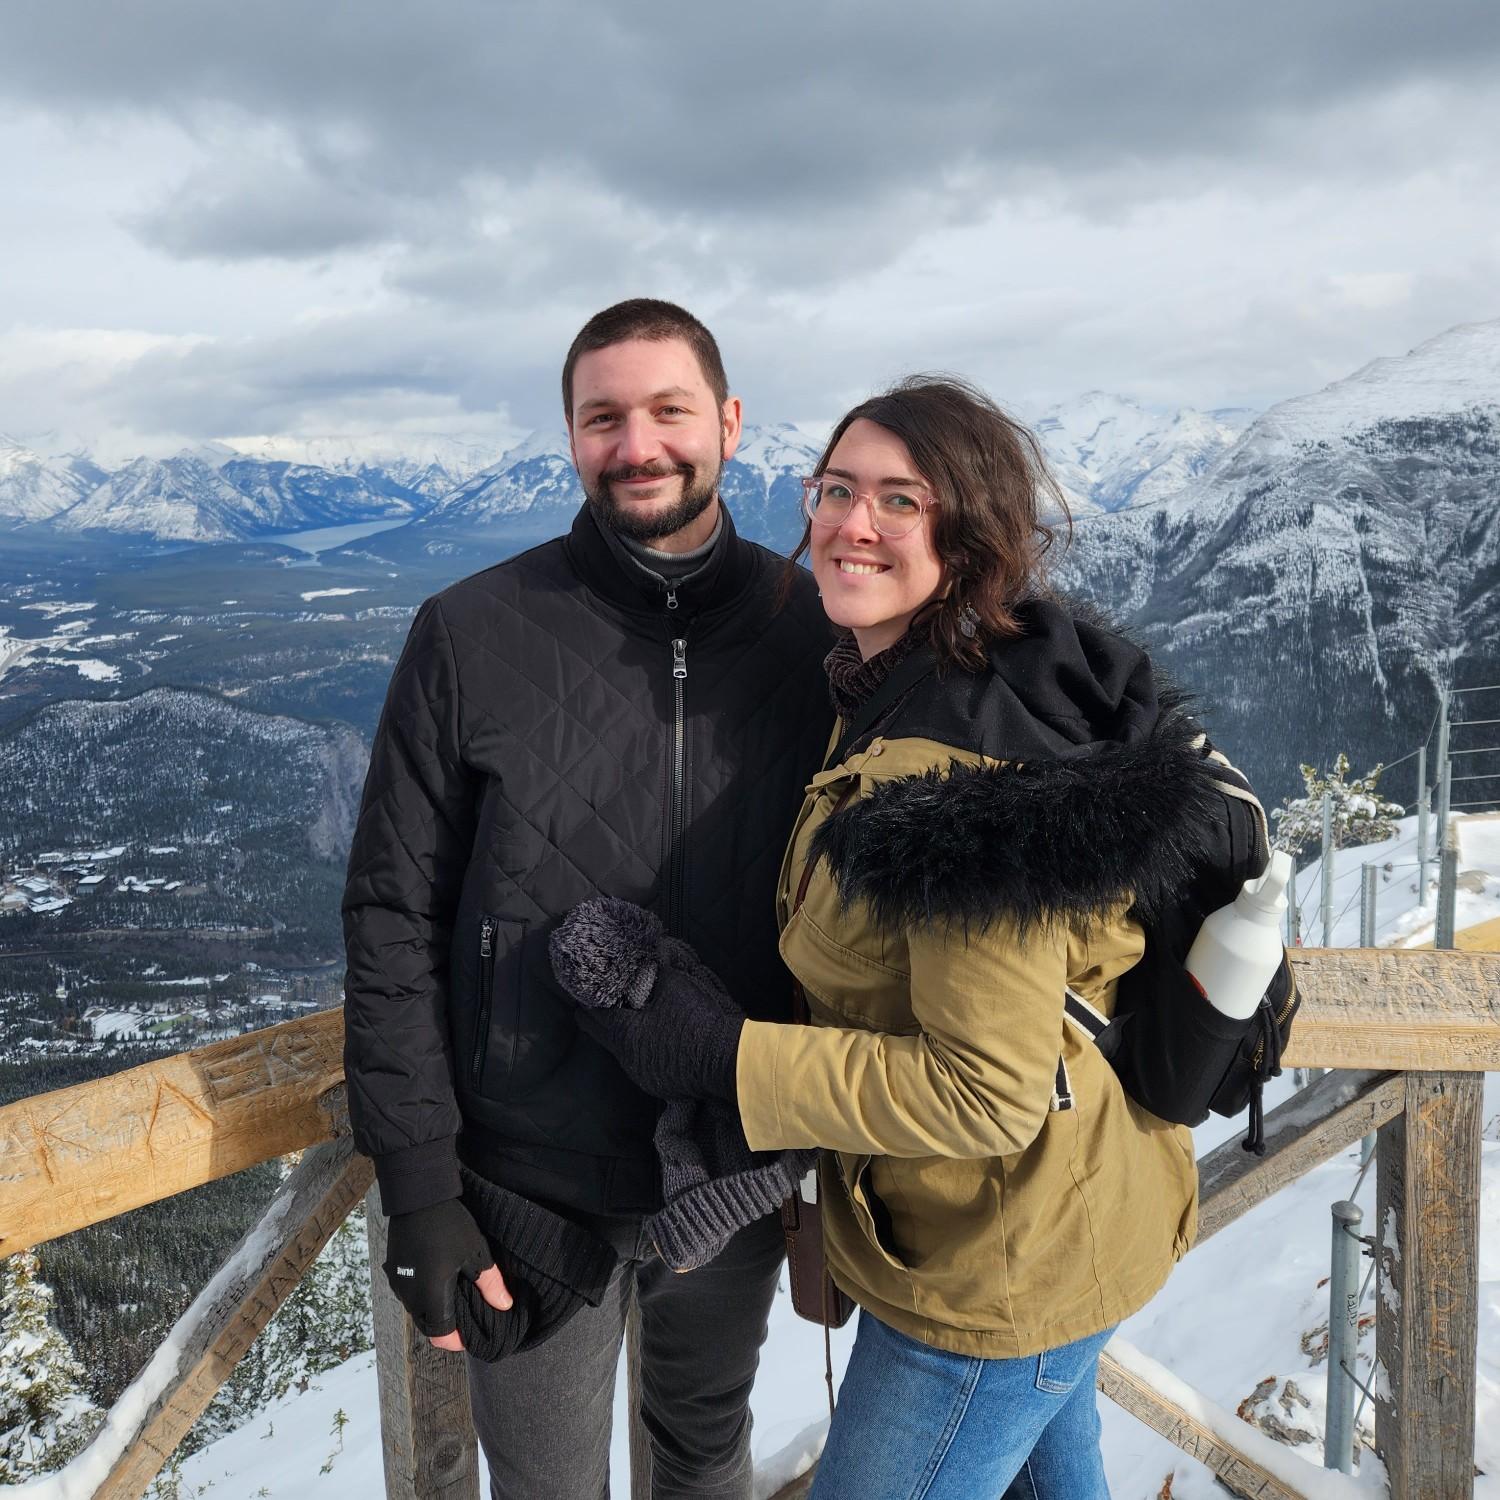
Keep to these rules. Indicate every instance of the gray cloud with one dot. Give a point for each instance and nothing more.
(796, 110)
(360, 212)
(274, 211)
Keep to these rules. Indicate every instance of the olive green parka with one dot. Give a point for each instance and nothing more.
(988, 1187)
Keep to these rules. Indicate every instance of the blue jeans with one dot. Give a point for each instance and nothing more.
(918, 1423)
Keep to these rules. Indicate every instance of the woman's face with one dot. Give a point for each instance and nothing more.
(870, 582)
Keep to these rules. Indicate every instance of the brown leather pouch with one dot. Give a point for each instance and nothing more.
(814, 1294)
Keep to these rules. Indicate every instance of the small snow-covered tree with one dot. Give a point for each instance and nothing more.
(1360, 814)
(324, 1321)
(46, 1414)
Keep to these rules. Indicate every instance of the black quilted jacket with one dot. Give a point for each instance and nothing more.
(559, 727)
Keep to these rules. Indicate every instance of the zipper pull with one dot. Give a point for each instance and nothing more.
(487, 937)
(672, 597)
(679, 659)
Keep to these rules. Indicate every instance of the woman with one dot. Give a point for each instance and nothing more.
(992, 1200)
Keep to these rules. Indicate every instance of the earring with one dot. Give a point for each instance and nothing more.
(968, 622)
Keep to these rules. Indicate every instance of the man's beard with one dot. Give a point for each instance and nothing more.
(698, 491)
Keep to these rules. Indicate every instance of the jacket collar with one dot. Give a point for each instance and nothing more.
(607, 568)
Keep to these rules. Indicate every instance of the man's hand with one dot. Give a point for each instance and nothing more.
(426, 1252)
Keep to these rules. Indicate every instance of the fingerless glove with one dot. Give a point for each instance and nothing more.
(426, 1252)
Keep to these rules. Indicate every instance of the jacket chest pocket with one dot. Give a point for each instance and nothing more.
(846, 983)
(498, 1007)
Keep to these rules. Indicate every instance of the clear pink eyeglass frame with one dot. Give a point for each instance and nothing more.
(814, 482)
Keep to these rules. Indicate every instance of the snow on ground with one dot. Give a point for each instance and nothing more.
(116, 1023)
(1234, 1314)
(1244, 1308)
(331, 593)
(1400, 919)
(93, 669)
(54, 609)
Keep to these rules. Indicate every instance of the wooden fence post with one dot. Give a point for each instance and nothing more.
(1426, 1234)
(211, 1337)
(425, 1426)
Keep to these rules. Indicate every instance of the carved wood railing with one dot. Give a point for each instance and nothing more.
(1411, 1033)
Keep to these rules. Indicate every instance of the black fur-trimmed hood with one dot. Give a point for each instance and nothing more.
(1106, 793)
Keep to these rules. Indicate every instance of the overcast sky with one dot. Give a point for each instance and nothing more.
(227, 220)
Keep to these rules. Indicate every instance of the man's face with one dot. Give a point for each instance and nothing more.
(649, 439)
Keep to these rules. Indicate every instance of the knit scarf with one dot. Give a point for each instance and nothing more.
(851, 679)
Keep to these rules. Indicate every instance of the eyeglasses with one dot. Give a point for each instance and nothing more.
(895, 512)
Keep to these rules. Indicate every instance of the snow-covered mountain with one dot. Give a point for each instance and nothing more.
(533, 491)
(182, 498)
(1331, 566)
(35, 488)
(762, 483)
(299, 496)
(431, 464)
(1109, 451)
(534, 476)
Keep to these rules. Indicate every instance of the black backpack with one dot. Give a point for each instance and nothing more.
(1176, 1054)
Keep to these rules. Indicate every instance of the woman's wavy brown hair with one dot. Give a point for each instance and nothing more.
(998, 506)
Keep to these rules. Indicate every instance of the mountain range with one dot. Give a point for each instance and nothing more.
(1108, 452)
(1315, 572)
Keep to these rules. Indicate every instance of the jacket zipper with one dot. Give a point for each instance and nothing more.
(677, 782)
(486, 994)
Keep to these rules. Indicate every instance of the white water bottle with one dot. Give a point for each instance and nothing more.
(1238, 948)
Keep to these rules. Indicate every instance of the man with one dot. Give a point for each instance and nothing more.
(626, 711)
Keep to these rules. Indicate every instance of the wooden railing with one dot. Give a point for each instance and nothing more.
(1410, 1034)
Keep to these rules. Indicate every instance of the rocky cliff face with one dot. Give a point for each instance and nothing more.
(1332, 568)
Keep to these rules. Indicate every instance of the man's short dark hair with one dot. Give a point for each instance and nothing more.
(646, 318)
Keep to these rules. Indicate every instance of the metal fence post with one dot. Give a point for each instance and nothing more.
(1424, 831)
(1343, 1336)
(1368, 876)
(1326, 871)
(1444, 769)
(1445, 934)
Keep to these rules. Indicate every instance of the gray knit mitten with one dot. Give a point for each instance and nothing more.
(649, 999)
(712, 1183)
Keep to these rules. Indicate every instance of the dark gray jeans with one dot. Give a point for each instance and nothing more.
(544, 1417)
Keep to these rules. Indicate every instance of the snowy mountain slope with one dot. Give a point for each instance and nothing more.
(536, 475)
(182, 498)
(533, 491)
(1109, 451)
(34, 488)
(432, 464)
(1331, 566)
(763, 483)
(297, 497)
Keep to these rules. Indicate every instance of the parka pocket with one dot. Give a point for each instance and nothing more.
(870, 1213)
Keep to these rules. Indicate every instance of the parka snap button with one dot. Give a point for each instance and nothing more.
(876, 749)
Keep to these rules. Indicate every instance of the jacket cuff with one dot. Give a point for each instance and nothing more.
(758, 1085)
(418, 1176)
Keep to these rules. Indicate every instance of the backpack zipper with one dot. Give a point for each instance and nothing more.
(1280, 1017)
(486, 994)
